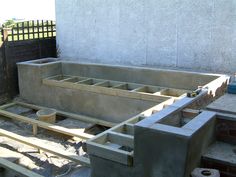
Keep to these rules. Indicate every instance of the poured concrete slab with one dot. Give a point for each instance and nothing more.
(225, 104)
(222, 152)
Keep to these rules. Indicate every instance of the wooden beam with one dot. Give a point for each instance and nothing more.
(71, 115)
(46, 148)
(17, 168)
(7, 105)
(190, 112)
(97, 146)
(113, 91)
(46, 125)
(125, 129)
(113, 154)
(121, 139)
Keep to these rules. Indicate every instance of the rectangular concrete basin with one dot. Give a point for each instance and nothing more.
(145, 103)
(111, 93)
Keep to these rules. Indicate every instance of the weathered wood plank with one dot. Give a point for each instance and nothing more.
(7, 105)
(113, 91)
(17, 168)
(110, 153)
(46, 125)
(121, 139)
(46, 148)
(71, 115)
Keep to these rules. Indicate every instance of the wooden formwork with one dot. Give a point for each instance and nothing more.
(117, 143)
(17, 168)
(115, 88)
(39, 145)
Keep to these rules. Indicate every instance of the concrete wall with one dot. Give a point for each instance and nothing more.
(199, 34)
(105, 107)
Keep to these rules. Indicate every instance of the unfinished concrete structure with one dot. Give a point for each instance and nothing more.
(143, 106)
(119, 121)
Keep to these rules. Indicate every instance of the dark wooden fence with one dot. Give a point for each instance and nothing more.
(30, 30)
(3, 79)
(25, 41)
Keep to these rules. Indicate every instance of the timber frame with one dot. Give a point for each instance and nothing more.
(43, 147)
(48, 126)
(46, 148)
(17, 168)
(117, 143)
(115, 88)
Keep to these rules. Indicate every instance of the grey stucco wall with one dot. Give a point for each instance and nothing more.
(197, 34)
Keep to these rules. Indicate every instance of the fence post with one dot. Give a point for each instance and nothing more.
(4, 34)
(4, 90)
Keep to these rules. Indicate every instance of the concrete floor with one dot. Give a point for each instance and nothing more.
(225, 104)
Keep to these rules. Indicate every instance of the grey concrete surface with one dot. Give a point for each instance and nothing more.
(225, 104)
(172, 151)
(142, 75)
(221, 151)
(199, 35)
(109, 108)
(104, 168)
(183, 144)
(106, 107)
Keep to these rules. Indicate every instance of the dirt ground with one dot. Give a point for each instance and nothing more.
(40, 162)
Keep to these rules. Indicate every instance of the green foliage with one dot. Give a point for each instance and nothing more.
(9, 24)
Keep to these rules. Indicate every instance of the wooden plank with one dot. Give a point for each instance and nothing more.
(132, 120)
(66, 79)
(125, 129)
(147, 89)
(52, 28)
(113, 154)
(190, 112)
(102, 83)
(18, 35)
(46, 148)
(95, 145)
(23, 30)
(113, 91)
(45, 125)
(7, 105)
(43, 28)
(85, 81)
(200, 120)
(47, 29)
(33, 26)
(121, 139)
(17, 168)
(138, 89)
(38, 29)
(28, 28)
(71, 115)
(12, 34)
